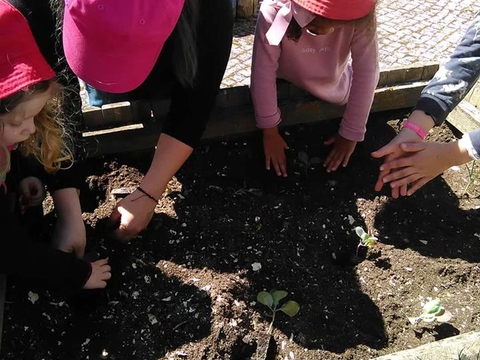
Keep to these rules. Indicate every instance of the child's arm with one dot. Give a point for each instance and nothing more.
(264, 91)
(69, 235)
(264, 71)
(365, 75)
(20, 256)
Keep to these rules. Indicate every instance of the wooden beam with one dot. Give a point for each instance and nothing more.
(105, 131)
(465, 117)
(230, 122)
(463, 346)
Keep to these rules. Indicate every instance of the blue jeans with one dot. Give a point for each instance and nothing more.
(99, 98)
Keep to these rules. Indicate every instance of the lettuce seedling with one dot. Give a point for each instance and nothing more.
(272, 300)
(366, 239)
(306, 161)
(432, 311)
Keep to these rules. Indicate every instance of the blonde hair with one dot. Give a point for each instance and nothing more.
(47, 144)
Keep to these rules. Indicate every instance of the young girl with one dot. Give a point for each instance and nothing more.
(310, 43)
(28, 125)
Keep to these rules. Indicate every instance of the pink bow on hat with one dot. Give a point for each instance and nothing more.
(280, 24)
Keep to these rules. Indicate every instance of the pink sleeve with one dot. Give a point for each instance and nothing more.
(263, 84)
(365, 75)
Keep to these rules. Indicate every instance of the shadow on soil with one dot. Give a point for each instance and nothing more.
(230, 215)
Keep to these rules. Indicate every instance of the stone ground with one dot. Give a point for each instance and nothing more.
(409, 33)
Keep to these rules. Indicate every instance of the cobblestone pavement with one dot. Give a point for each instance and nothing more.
(409, 32)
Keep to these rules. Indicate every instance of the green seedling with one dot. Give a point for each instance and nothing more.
(272, 300)
(366, 239)
(472, 176)
(306, 161)
(432, 311)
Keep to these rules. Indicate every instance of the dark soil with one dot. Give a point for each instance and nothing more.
(186, 288)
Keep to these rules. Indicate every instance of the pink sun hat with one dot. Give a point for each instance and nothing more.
(344, 10)
(113, 45)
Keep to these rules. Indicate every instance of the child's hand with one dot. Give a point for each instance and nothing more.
(274, 148)
(32, 191)
(340, 154)
(99, 276)
(394, 151)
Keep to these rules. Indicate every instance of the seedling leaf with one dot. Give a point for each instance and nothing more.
(432, 307)
(303, 157)
(370, 241)
(445, 317)
(290, 308)
(265, 298)
(360, 232)
(278, 295)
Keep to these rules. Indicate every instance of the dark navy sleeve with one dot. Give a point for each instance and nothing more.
(21, 256)
(454, 78)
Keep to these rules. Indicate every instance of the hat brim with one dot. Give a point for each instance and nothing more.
(113, 68)
(22, 72)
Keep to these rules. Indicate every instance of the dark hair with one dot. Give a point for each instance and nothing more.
(294, 31)
(185, 60)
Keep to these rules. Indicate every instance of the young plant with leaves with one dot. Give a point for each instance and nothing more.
(306, 161)
(366, 239)
(473, 175)
(272, 301)
(432, 311)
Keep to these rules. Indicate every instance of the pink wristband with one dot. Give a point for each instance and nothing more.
(414, 127)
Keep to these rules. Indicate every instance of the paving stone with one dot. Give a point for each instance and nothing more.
(409, 33)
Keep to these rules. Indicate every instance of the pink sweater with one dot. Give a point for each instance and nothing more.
(318, 64)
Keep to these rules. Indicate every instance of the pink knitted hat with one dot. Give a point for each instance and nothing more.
(338, 9)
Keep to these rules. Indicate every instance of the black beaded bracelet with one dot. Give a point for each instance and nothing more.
(147, 194)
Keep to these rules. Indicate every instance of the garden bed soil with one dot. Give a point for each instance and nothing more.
(226, 229)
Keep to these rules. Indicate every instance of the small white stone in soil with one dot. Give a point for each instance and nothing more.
(134, 265)
(351, 220)
(87, 340)
(153, 320)
(206, 288)
(148, 279)
(104, 354)
(256, 266)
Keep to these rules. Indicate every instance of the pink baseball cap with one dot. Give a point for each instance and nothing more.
(113, 45)
(21, 62)
(344, 10)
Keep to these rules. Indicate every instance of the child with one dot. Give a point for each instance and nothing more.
(409, 162)
(27, 123)
(310, 43)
